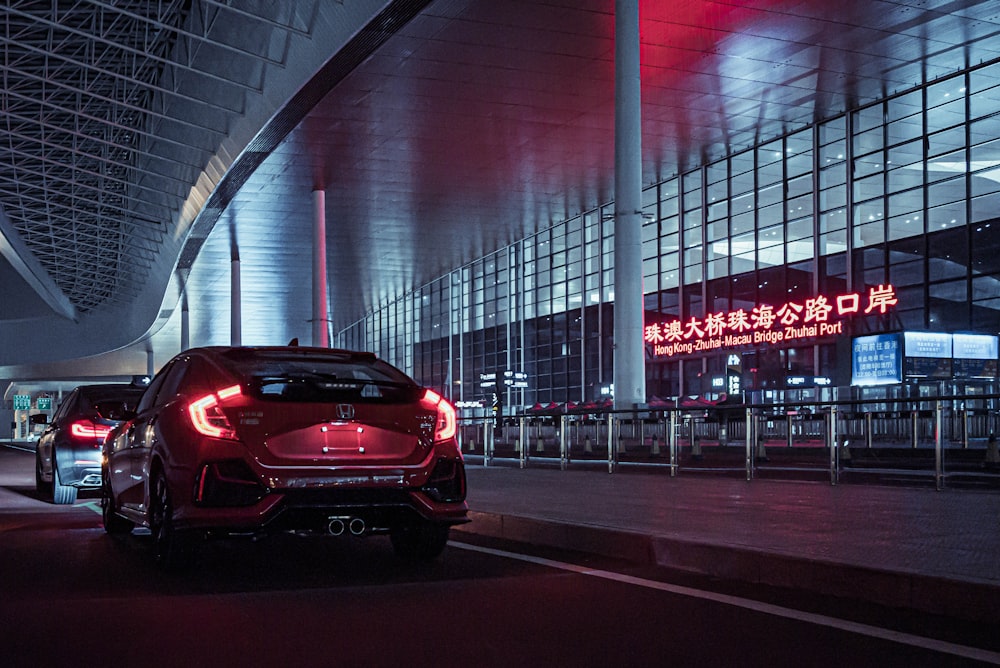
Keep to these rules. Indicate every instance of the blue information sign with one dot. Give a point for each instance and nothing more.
(877, 360)
(928, 344)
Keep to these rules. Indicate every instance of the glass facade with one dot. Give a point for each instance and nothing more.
(904, 192)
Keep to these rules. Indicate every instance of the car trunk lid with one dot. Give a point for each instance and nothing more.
(337, 434)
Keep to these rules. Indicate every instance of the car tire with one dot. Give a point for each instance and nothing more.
(420, 541)
(114, 524)
(43, 488)
(61, 494)
(173, 550)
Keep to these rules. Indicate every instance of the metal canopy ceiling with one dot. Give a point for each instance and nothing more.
(108, 121)
(437, 138)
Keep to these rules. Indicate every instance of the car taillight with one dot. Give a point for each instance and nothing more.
(207, 417)
(87, 430)
(445, 423)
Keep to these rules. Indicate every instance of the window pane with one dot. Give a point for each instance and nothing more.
(905, 105)
(946, 191)
(945, 142)
(906, 225)
(833, 220)
(743, 222)
(800, 186)
(912, 200)
(832, 198)
(868, 118)
(943, 217)
(867, 188)
(833, 242)
(869, 234)
(985, 207)
(800, 206)
(833, 130)
(799, 229)
(869, 141)
(905, 129)
(946, 166)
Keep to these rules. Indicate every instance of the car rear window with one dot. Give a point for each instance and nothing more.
(111, 403)
(324, 378)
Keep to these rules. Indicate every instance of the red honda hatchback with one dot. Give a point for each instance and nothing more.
(253, 441)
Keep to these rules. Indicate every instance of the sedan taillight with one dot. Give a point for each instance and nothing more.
(88, 431)
(207, 417)
(445, 423)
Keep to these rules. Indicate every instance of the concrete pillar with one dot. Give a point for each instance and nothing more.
(236, 311)
(629, 356)
(319, 314)
(150, 365)
(185, 323)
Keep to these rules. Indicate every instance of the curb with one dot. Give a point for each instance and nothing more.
(972, 601)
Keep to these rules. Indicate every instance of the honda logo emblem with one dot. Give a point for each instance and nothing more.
(345, 411)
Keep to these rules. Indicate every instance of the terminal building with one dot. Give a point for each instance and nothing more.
(878, 226)
(818, 215)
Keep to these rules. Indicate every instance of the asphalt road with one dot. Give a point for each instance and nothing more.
(70, 594)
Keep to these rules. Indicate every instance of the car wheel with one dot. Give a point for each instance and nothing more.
(43, 488)
(172, 549)
(61, 494)
(114, 523)
(421, 541)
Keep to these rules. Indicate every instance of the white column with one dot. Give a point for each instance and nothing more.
(629, 355)
(185, 323)
(236, 310)
(319, 314)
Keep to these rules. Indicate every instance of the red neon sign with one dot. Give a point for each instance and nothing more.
(765, 323)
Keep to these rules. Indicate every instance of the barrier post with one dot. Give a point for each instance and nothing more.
(868, 430)
(914, 424)
(750, 440)
(612, 450)
(563, 442)
(523, 454)
(965, 428)
(488, 444)
(673, 443)
(938, 460)
(834, 458)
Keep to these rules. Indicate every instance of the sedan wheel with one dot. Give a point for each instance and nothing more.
(114, 523)
(419, 541)
(61, 494)
(172, 549)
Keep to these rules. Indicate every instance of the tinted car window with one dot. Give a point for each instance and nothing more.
(66, 406)
(111, 402)
(172, 381)
(316, 378)
(149, 397)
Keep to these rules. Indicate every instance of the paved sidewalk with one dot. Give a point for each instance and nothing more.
(934, 551)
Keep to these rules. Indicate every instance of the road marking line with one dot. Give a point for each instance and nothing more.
(92, 505)
(756, 606)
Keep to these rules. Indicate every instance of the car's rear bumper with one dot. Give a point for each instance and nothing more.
(79, 467)
(262, 500)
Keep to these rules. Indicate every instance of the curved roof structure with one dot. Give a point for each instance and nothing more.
(147, 144)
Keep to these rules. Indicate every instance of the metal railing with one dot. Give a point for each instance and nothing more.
(888, 441)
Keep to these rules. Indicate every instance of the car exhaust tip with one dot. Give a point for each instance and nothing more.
(335, 527)
(357, 526)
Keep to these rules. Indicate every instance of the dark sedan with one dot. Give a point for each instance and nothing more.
(68, 456)
(252, 441)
